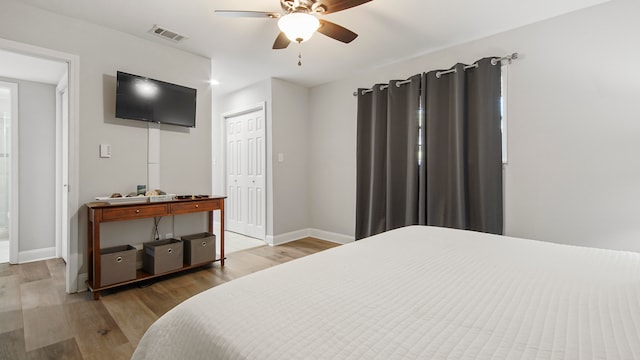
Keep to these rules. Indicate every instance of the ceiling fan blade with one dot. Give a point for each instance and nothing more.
(336, 31)
(252, 14)
(282, 41)
(331, 6)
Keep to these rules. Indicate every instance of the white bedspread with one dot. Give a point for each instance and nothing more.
(417, 293)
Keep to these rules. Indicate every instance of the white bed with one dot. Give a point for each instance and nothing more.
(417, 293)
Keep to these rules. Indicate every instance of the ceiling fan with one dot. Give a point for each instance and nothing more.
(301, 20)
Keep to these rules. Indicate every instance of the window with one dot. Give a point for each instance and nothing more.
(420, 125)
(503, 117)
(503, 110)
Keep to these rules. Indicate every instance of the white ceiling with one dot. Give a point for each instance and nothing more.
(240, 48)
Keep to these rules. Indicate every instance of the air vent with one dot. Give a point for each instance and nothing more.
(166, 33)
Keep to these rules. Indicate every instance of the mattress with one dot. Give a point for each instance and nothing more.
(417, 292)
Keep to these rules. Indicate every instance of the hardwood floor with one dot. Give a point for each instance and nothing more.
(38, 320)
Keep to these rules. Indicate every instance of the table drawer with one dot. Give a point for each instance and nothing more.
(127, 213)
(194, 206)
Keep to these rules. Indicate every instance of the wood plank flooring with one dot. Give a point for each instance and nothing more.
(38, 320)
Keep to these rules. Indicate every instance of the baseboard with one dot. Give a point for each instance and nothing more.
(331, 236)
(304, 233)
(269, 240)
(36, 255)
(82, 282)
(288, 237)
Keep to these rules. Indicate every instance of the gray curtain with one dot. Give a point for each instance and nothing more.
(371, 164)
(462, 172)
(402, 153)
(458, 180)
(387, 178)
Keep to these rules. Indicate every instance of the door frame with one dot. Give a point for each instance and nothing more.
(62, 180)
(262, 106)
(73, 65)
(14, 183)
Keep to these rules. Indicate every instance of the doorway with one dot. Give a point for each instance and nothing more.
(245, 171)
(70, 241)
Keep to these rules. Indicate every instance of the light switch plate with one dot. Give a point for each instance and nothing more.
(105, 150)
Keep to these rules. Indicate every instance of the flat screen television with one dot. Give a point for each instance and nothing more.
(142, 98)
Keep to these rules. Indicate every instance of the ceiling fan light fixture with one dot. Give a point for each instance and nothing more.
(298, 26)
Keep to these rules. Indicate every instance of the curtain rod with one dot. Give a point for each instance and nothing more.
(440, 73)
(494, 61)
(382, 87)
(511, 57)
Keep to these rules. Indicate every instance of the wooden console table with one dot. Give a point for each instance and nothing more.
(103, 212)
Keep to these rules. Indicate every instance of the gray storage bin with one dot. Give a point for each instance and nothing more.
(162, 256)
(117, 264)
(199, 248)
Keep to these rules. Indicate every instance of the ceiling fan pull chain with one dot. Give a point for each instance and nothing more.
(299, 58)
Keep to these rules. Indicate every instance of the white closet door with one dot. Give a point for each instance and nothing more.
(255, 184)
(235, 179)
(246, 147)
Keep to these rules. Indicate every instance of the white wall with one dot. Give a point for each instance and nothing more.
(37, 121)
(185, 156)
(572, 175)
(574, 129)
(290, 138)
